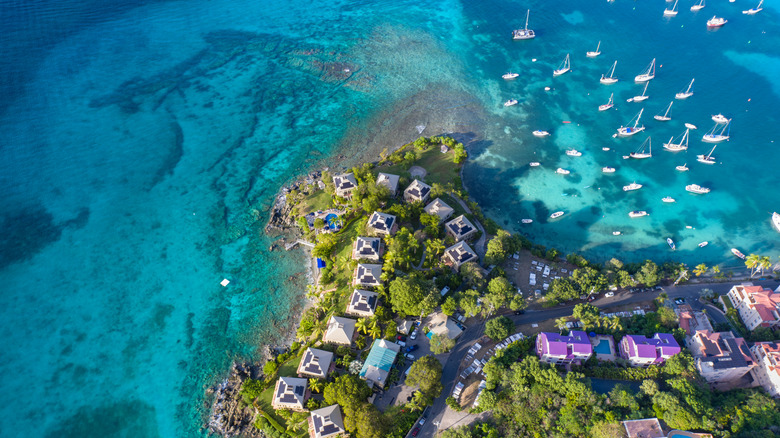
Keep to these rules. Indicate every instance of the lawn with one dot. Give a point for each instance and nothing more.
(288, 369)
(319, 200)
(440, 167)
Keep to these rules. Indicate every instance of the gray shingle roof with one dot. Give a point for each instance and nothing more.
(460, 227)
(327, 422)
(362, 302)
(367, 248)
(417, 190)
(315, 362)
(381, 222)
(460, 253)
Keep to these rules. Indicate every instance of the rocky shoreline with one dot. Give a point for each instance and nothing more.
(229, 417)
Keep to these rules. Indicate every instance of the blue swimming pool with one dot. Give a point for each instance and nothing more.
(332, 220)
(603, 347)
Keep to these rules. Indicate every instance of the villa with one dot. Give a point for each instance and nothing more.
(458, 254)
(362, 303)
(379, 362)
(382, 224)
(439, 208)
(692, 321)
(340, 331)
(290, 393)
(367, 248)
(767, 370)
(440, 324)
(326, 423)
(756, 306)
(367, 275)
(557, 349)
(720, 356)
(345, 184)
(417, 191)
(460, 228)
(645, 428)
(316, 363)
(640, 351)
(388, 180)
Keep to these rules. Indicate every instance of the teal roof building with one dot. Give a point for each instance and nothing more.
(379, 361)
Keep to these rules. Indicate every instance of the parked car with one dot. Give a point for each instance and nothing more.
(415, 431)
(519, 312)
(422, 421)
(401, 343)
(411, 348)
(609, 294)
(679, 301)
(409, 356)
(413, 335)
(591, 298)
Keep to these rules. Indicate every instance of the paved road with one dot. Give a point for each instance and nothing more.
(690, 292)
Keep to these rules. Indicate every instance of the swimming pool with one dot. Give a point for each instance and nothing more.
(332, 220)
(603, 347)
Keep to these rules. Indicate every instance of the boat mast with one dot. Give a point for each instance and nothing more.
(527, 14)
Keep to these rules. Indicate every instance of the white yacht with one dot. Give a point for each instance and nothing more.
(690, 126)
(756, 10)
(565, 66)
(695, 188)
(669, 199)
(703, 244)
(683, 168)
(671, 244)
(713, 137)
(642, 96)
(562, 171)
(556, 215)
(608, 169)
(707, 159)
(631, 187)
(776, 220)
(510, 75)
(609, 104)
(647, 74)
(627, 131)
(510, 102)
(573, 153)
(716, 21)
(687, 93)
(667, 115)
(738, 253)
(540, 133)
(534, 164)
(594, 53)
(720, 119)
(698, 6)
(526, 221)
(637, 213)
(671, 12)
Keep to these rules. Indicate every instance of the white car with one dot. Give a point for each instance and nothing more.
(413, 336)
(409, 356)
(609, 294)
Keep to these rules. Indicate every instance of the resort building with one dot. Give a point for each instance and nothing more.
(557, 349)
(388, 180)
(720, 356)
(290, 393)
(692, 321)
(640, 351)
(382, 224)
(340, 331)
(645, 428)
(316, 363)
(460, 228)
(442, 325)
(417, 191)
(362, 303)
(345, 184)
(379, 362)
(756, 306)
(458, 254)
(767, 370)
(367, 275)
(326, 423)
(439, 208)
(367, 248)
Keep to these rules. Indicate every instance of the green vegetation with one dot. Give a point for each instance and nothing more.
(441, 344)
(425, 374)
(499, 328)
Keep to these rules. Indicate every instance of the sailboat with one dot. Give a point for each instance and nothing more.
(565, 66)
(647, 74)
(609, 104)
(754, 11)
(681, 145)
(594, 53)
(666, 117)
(642, 97)
(712, 137)
(524, 33)
(687, 93)
(627, 131)
(683, 168)
(671, 12)
(716, 21)
(641, 153)
(707, 159)
(698, 6)
(609, 78)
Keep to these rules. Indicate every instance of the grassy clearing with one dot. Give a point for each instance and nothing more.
(319, 200)
(440, 167)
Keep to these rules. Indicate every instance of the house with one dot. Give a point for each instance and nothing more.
(345, 184)
(645, 428)
(362, 303)
(417, 191)
(767, 370)
(442, 325)
(405, 327)
(720, 356)
(340, 331)
(379, 362)
(557, 349)
(388, 180)
(326, 423)
(367, 248)
(290, 393)
(691, 320)
(641, 351)
(316, 363)
(460, 228)
(382, 224)
(439, 208)
(458, 254)
(367, 275)
(756, 306)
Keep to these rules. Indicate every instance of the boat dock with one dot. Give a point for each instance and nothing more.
(292, 245)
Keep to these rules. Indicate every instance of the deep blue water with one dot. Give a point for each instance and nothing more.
(142, 143)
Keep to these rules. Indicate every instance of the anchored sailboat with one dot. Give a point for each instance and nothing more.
(671, 12)
(565, 66)
(687, 93)
(609, 104)
(641, 97)
(667, 115)
(627, 131)
(641, 152)
(712, 137)
(609, 78)
(698, 6)
(754, 11)
(594, 53)
(707, 159)
(525, 33)
(647, 74)
(680, 145)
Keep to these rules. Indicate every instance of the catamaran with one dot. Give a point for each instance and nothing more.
(631, 187)
(754, 11)
(669, 240)
(647, 74)
(627, 131)
(712, 137)
(707, 159)
(720, 119)
(683, 168)
(609, 104)
(666, 117)
(510, 75)
(565, 66)
(681, 145)
(695, 188)
(510, 102)
(687, 93)
(698, 6)
(641, 153)
(716, 22)
(595, 53)
(776, 220)
(524, 33)
(671, 12)
(609, 78)
(642, 97)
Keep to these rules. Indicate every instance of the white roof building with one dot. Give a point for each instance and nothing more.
(439, 208)
(290, 393)
(368, 275)
(367, 248)
(362, 303)
(417, 191)
(388, 180)
(340, 331)
(345, 184)
(460, 228)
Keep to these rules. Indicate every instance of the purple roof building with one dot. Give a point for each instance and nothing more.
(641, 351)
(558, 349)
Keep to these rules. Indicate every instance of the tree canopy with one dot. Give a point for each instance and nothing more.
(499, 328)
(413, 295)
(426, 374)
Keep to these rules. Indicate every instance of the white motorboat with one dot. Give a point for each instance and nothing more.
(565, 66)
(666, 116)
(627, 131)
(642, 152)
(540, 133)
(647, 74)
(573, 153)
(713, 137)
(703, 244)
(605, 148)
(716, 21)
(776, 220)
(707, 159)
(510, 102)
(756, 10)
(595, 53)
(608, 169)
(641, 97)
(609, 104)
(695, 188)
(738, 253)
(690, 126)
(556, 215)
(510, 75)
(637, 213)
(671, 12)
(683, 168)
(680, 145)
(534, 164)
(631, 187)
(524, 33)
(687, 93)
(698, 6)
(609, 78)
(720, 119)
(562, 171)
(671, 244)
(669, 200)
(526, 221)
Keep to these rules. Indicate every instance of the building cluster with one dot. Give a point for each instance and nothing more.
(577, 347)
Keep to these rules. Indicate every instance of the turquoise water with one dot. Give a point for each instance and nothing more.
(142, 143)
(602, 347)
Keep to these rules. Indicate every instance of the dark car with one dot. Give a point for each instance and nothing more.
(411, 348)
(401, 338)
(415, 431)
(519, 312)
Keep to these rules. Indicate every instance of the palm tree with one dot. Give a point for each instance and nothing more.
(375, 331)
(716, 269)
(320, 326)
(700, 269)
(361, 325)
(316, 385)
(561, 323)
(764, 263)
(752, 261)
(360, 342)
